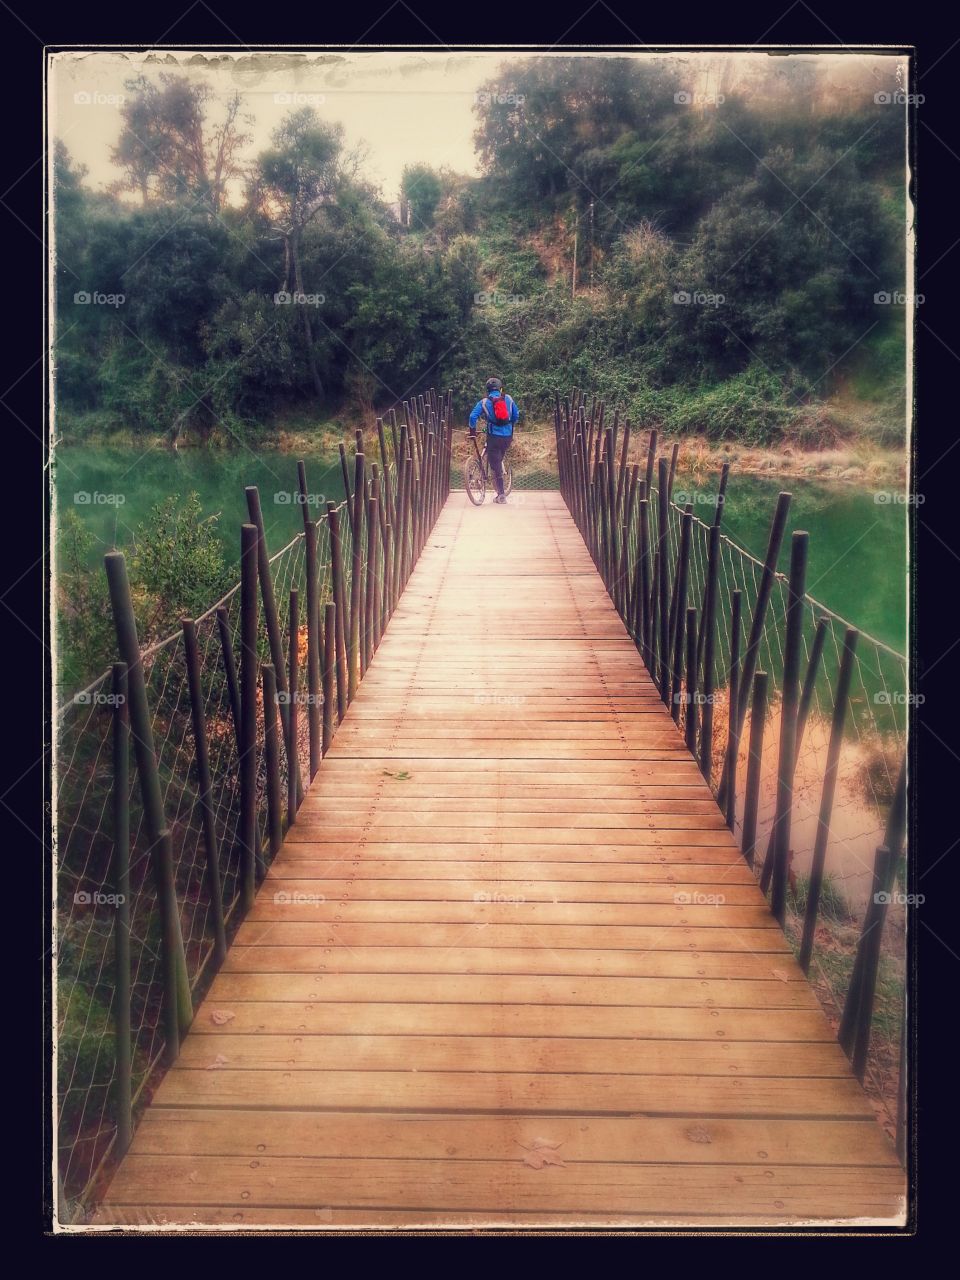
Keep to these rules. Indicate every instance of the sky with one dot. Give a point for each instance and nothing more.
(401, 106)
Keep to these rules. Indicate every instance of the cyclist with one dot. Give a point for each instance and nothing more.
(500, 413)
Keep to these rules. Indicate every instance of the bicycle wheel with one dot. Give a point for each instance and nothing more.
(507, 479)
(474, 482)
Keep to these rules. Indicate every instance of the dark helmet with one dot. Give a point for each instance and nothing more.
(494, 384)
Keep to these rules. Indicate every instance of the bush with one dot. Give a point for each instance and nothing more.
(142, 390)
(85, 623)
(178, 566)
(832, 904)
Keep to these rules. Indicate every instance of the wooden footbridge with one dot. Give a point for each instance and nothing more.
(509, 967)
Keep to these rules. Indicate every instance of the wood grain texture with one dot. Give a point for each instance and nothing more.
(509, 967)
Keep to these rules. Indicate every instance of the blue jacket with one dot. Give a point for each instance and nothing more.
(484, 409)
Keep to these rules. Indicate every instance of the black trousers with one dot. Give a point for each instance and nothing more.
(497, 446)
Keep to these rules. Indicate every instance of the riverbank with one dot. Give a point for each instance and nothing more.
(861, 464)
(861, 461)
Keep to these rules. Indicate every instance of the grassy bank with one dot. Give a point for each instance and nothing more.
(861, 457)
(834, 950)
(858, 461)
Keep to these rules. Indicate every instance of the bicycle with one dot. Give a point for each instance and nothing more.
(476, 475)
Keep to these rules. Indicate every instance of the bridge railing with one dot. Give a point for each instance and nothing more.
(798, 721)
(225, 722)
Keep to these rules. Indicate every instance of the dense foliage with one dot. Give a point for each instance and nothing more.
(177, 569)
(705, 246)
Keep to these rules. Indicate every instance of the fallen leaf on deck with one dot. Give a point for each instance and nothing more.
(537, 1159)
(540, 1152)
(219, 1016)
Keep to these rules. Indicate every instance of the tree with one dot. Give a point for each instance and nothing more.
(294, 179)
(421, 187)
(70, 213)
(168, 146)
(536, 121)
(797, 227)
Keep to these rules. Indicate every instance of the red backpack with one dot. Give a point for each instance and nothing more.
(501, 412)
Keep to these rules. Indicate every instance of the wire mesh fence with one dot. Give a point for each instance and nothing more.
(873, 748)
(679, 583)
(875, 736)
(88, 923)
(531, 458)
(86, 900)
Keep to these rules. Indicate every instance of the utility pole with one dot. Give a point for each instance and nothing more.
(576, 228)
(591, 244)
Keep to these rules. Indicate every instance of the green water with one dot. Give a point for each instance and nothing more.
(125, 484)
(857, 556)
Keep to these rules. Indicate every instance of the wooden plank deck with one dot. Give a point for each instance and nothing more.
(509, 967)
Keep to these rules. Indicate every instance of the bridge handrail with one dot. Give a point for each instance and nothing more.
(730, 670)
(192, 830)
(783, 577)
(174, 636)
